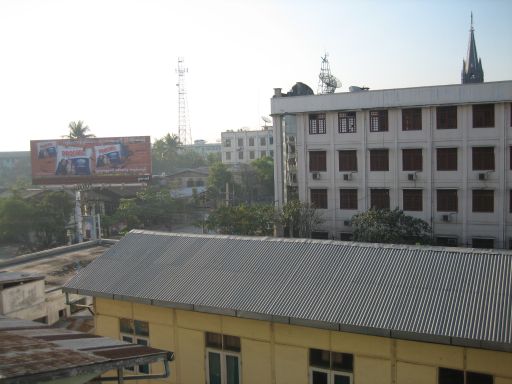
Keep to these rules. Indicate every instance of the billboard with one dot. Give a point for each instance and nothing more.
(91, 160)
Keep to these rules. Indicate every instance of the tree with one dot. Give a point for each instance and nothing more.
(264, 169)
(78, 130)
(219, 176)
(51, 216)
(385, 226)
(246, 220)
(16, 219)
(299, 219)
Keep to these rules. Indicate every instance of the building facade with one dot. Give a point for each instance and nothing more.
(266, 310)
(243, 147)
(440, 153)
(202, 147)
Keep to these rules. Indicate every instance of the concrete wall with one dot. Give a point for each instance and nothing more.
(22, 297)
(278, 353)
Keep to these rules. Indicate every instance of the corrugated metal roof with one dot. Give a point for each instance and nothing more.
(446, 295)
(32, 352)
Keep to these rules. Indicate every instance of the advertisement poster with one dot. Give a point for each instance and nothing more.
(91, 160)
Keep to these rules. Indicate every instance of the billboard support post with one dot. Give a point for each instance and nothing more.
(78, 218)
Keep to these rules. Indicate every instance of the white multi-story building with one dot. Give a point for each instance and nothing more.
(202, 147)
(243, 147)
(440, 153)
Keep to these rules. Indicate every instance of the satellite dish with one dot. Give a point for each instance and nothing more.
(266, 119)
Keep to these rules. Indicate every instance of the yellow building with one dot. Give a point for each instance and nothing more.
(266, 310)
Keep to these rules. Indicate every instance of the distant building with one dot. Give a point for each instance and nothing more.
(243, 147)
(440, 153)
(202, 147)
(264, 310)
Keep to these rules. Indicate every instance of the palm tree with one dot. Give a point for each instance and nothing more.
(78, 130)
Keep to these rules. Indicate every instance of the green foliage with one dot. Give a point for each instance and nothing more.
(299, 219)
(169, 156)
(78, 130)
(385, 226)
(218, 177)
(51, 217)
(46, 217)
(213, 157)
(249, 220)
(264, 169)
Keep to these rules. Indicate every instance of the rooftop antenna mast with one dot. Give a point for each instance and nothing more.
(327, 83)
(184, 132)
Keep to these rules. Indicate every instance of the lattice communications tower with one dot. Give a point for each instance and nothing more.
(183, 122)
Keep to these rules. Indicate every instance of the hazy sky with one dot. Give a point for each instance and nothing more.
(112, 63)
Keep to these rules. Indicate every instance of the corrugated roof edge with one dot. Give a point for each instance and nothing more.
(335, 242)
(350, 328)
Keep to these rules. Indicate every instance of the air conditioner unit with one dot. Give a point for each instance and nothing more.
(482, 176)
(316, 175)
(347, 223)
(411, 176)
(446, 218)
(347, 176)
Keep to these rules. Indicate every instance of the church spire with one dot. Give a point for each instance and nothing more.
(472, 71)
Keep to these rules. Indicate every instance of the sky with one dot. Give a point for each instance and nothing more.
(112, 63)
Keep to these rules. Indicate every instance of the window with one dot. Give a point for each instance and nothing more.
(446, 159)
(346, 122)
(190, 183)
(446, 241)
(455, 376)
(412, 159)
(200, 183)
(379, 160)
(263, 141)
(240, 142)
(446, 117)
(136, 332)
(413, 199)
(348, 198)
(348, 161)
(271, 140)
(326, 367)
(379, 198)
(271, 153)
(319, 198)
(483, 116)
(323, 235)
(222, 359)
(317, 161)
(477, 242)
(251, 141)
(263, 153)
(483, 158)
(227, 143)
(483, 200)
(411, 119)
(240, 155)
(447, 200)
(251, 155)
(228, 156)
(317, 124)
(378, 121)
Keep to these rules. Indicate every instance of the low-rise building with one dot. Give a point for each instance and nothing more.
(243, 147)
(268, 310)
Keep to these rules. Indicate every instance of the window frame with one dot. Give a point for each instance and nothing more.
(317, 162)
(223, 351)
(446, 157)
(374, 198)
(416, 205)
(347, 122)
(331, 374)
(347, 160)
(317, 123)
(479, 162)
(228, 156)
(482, 200)
(484, 115)
(263, 141)
(321, 195)
(375, 155)
(227, 143)
(251, 141)
(446, 117)
(134, 338)
(349, 200)
(455, 192)
(412, 119)
(379, 121)
(411, 161)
